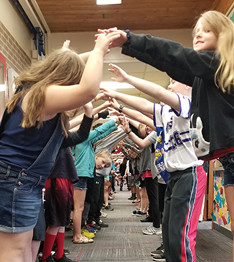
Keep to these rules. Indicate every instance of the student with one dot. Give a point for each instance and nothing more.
(107, 143)
(59, 190)
(32, 130)
(187, 182)
(85, 162)
(151, 180)
(209, 70)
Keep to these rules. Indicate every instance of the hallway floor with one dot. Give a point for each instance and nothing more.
(123, 240)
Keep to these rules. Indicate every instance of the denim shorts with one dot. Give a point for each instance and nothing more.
(228, 165)
(20, 200)
(81, 183)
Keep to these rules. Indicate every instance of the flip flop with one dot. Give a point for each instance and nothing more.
(83, 240)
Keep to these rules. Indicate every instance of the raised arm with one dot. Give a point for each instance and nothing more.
(156, 91)
(140, 104)
(62, 98)
(103, 106)
(142, 143)
(135, 115)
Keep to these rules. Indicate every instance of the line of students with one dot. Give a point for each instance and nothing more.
(36, 122)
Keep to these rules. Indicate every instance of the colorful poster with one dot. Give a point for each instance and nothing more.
(220, 213)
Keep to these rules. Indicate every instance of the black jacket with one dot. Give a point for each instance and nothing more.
(195, 69)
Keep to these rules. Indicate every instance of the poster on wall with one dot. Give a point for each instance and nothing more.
(220, 213)
(3, 85)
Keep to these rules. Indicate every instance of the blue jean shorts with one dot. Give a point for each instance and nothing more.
(228, 165)
(20, 199)
(81, 183)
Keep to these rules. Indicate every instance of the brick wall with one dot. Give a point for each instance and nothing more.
(15, 56)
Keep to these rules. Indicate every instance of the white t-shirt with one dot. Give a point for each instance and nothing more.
(178, 150)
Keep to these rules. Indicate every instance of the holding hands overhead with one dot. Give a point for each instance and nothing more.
(118, 41)
(104, 41)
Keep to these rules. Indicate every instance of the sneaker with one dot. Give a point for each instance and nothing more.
(66, 251)
(103, 214)
(159, 259)
(90, 229)
(48, 259)
(102, 224)
(158, 250)
(86, 233)
(160, 256)
(63, 259)
(134, 212)
(95, 226)
(109, 208)
(147, 219)
(152, 231)
(132, 198)
(140, 213)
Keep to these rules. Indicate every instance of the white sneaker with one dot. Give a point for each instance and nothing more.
(103, 214)
(152, 231)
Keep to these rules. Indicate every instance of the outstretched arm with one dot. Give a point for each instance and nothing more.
(142, 143)
(59, 98)
(135, 115)
(156, 91)
(140, 104)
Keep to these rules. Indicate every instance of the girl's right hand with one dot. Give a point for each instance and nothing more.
(104, 40)
(117, 42)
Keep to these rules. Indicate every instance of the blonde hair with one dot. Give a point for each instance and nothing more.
(107, 156)
(61, 67)
(223, 28)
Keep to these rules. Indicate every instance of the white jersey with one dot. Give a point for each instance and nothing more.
(178, 150)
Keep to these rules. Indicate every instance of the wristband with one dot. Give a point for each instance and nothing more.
(129, 132)
(127, 31)
(121, 108)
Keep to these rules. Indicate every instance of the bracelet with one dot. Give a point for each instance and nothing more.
(121, 108)
(127, 31)
(129, 132)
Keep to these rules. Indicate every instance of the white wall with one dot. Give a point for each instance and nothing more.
(15, 24)
(84, 41)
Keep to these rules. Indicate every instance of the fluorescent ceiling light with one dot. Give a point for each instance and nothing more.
(108, 2)
(115, 85)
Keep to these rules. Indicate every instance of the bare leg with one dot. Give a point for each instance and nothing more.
(106, 191)
(144, 200)
(79, 198)
(13, 246)
(35, 247)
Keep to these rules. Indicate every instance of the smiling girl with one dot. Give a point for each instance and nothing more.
(209, 69)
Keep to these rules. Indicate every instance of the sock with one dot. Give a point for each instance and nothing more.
(48, 244)
(60, 243)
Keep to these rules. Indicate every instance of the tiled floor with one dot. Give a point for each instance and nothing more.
(123, 239)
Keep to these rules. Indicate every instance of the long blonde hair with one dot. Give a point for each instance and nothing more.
(223, 28)
(61, 67)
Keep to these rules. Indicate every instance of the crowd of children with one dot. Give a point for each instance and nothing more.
(153, 147)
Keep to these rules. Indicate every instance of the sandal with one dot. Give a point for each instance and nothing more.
(83, 240)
